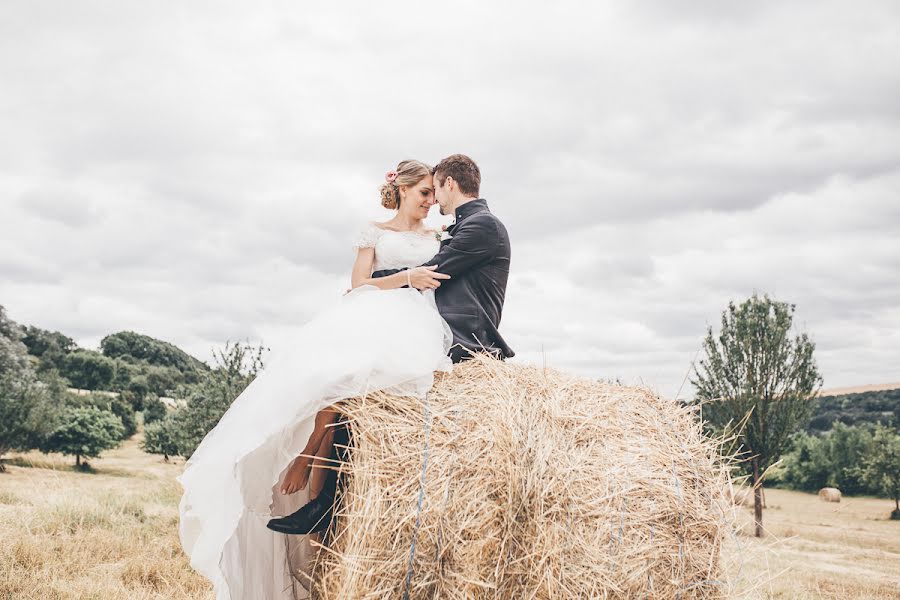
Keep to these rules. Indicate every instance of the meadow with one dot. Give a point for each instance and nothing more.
(112, 533)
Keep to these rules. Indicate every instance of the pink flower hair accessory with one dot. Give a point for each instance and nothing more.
(391, 176)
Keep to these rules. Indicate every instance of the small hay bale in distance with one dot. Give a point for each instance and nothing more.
(830, 494)
(538, 485)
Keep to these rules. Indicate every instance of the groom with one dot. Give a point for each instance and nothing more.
(475, 252)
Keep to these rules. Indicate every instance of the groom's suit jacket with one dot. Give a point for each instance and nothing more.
(476, 256)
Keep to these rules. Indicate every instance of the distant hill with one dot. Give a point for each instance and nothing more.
(128, 363)
(853, 406)
(859, 389)
(136, 347)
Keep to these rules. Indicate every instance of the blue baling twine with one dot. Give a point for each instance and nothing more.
(412, 545)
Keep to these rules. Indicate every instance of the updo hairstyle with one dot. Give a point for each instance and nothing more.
(408, 173)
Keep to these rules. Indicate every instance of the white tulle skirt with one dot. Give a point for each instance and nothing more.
(370, 340)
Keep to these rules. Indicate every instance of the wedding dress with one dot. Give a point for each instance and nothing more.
(369, 340)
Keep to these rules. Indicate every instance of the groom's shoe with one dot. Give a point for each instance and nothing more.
(312, 517)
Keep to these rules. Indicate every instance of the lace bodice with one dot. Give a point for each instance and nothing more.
(397, 249)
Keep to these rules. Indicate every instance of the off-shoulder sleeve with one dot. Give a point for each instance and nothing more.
(367, 236)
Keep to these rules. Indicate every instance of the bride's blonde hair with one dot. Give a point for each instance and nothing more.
(408, 173)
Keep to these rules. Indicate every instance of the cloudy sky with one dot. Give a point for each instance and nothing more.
(197, 173)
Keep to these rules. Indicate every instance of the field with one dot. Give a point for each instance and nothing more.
(112, 534)
(817, 549)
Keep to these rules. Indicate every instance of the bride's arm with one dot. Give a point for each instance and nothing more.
(362, 272)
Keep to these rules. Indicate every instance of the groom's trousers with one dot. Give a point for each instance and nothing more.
(340, 453)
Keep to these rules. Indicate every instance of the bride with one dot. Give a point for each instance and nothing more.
(384, 334)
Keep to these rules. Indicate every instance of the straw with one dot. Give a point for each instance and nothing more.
(539, 485)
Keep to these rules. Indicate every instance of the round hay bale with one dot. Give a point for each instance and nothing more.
(830, 494)
(537, 484)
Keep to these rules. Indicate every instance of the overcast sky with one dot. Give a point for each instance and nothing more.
(197, 171)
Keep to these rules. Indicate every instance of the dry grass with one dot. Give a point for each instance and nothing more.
(816, 549)
(108, 534)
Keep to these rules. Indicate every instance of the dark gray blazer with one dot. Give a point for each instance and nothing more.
(477, 259)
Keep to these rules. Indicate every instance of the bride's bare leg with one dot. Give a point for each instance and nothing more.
(321, 464)
(298, 473)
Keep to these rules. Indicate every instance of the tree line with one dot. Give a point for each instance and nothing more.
(129, 374)
(848, 457)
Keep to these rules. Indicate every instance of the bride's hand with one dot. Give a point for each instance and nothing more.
(426, 278)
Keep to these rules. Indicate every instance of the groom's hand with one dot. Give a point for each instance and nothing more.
(426, 278)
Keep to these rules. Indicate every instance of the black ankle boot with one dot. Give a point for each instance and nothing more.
(316, 515)
(312, 517)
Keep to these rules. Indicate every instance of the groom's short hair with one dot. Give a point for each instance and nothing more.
(464, 172)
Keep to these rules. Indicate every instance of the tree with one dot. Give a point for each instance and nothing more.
(89, 370)
(755, 375)
(154, 410)
(136, 392)
(881, 470)
(160, 438)
(808, 465)
(847, 448)
(116, 406)
(50, 347)
(162, 380)
(128, 344)
(831, 459)
(85, 431)
(207, 401)
(40, 341)
(13, 353)
(25, 412)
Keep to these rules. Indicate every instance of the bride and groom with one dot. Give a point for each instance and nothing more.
(420, 300)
